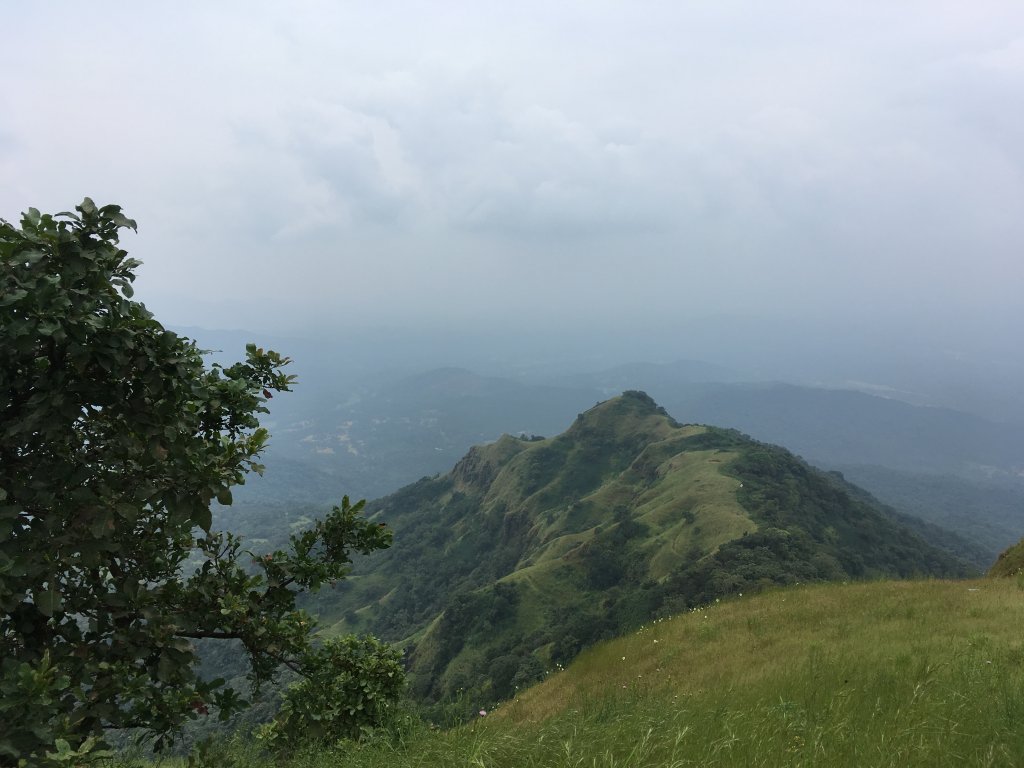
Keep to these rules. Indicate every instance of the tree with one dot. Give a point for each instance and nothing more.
(115, 439)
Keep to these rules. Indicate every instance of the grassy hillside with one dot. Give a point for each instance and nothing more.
(531, 549)
(923, 673)
(1010, 562)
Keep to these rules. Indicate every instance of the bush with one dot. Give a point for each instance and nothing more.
(352, 686)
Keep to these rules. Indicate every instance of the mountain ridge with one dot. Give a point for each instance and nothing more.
(530, 549)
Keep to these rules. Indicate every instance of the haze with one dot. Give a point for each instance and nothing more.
(826, 191)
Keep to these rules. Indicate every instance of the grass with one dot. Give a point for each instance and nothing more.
(694, 481)
(927, 673)
(1010, 562)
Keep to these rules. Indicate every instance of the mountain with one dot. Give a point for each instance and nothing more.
(530, 549)
(952, 469)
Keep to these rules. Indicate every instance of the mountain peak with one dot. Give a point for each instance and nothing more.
(631, 411)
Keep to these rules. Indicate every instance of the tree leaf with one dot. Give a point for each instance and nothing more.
(48, 601)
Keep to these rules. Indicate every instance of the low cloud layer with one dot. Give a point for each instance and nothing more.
(499, 163)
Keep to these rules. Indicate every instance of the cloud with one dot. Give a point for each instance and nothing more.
(436, 158)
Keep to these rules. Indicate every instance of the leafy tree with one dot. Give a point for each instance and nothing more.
(352, 686)
(115, 438)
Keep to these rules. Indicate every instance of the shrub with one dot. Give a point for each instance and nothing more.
(352, 686)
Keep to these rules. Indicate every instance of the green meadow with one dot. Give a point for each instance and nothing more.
(888, 673)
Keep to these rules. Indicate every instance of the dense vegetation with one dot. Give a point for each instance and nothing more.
(985, 515)
(115, 439)
(811, 527)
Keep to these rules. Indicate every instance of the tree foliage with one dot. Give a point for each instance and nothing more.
(351, 687)
(115, 439)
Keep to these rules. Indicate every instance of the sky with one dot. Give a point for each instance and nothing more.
(535, 165)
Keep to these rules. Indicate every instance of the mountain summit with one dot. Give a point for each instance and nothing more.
(531, 548)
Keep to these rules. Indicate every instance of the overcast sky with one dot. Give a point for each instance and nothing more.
(550, 163)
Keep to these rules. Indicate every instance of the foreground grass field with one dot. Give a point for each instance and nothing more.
(882, 674)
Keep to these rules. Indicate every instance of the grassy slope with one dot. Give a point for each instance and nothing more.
(927, 673)
(536, 479)
(1010, 562)
(548, 576)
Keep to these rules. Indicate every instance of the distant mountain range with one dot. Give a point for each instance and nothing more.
(950, 468)
(531, 548)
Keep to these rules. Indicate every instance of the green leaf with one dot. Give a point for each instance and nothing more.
(101, 527)
(124, 221)
(166, 668)
(202, 517)
(48, 601)
(13, 297)
(126, 511)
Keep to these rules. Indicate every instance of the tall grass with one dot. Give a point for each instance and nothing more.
(884, 674)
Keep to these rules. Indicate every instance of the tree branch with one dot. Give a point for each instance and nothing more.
(201, 635)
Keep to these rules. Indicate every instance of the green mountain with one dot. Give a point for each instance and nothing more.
(952, 469)
(530, 548)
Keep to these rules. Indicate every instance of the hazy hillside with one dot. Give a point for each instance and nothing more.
(833, 427)
(529, 549)
(371, 439)
(990, 514)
